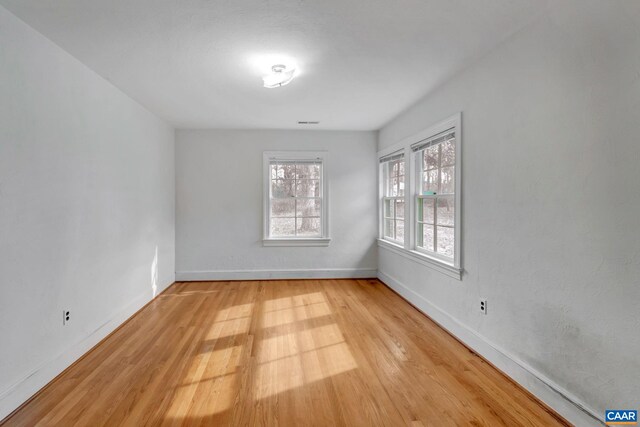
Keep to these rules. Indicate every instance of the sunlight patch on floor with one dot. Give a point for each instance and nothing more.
(327, 362)
(295, 371)
(290, 315)
(278, 376)
(226, 328)
(277, 347)
(220, 392)
(321, 336)
(294, 301)
(289, 356)
(217, 364)
(234, 312)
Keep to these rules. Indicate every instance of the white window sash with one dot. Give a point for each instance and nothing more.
(418, 150)
(385, 166)
(393, 218)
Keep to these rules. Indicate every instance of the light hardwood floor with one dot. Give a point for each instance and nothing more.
(282, 353)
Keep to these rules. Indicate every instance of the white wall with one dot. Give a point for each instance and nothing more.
(86, 203)
(551, 202)
(219, 185)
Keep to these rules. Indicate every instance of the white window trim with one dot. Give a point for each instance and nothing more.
(409, 249)
(322, 240)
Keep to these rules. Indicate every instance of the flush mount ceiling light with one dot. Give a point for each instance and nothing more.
(280, 75)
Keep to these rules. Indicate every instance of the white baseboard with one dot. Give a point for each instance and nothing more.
(336, 273)
(561, 400)
(18, 393)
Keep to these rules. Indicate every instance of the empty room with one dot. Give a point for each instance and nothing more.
(319, 213)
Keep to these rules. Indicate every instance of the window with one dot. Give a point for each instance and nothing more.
(393, 197)
(295, 199)
(435, 195)
(420, 197)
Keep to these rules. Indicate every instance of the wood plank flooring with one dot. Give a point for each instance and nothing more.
(282, 353)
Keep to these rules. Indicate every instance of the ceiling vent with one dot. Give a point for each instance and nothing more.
(308, 123)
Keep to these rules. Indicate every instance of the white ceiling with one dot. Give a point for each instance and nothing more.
(196, 63)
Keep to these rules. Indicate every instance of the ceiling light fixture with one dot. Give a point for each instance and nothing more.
(280, 76)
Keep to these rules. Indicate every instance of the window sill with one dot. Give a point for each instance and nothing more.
(390, 244)
(296, 242)
(423, 259)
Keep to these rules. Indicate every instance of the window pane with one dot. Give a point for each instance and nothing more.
(446, 211)
(388, 228)
(287, 171)
(279, 171)
(308, 207)
(283, 208)
(282, 188)
(308, 188)
(449, 152)
(283, 227)
(296, 200)
(430, 181)
(400, 230)
(401, 167)
(447, 180)
(446, 241)
(393, 187)
(388, 208)
(426, 234)
(308, 226)
(401, 185)
(399, 208)
(308, 171)
(428, 206)
(431, 157)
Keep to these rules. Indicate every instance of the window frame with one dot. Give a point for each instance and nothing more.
(385, 166)
(293, 156)
(418, 157)
(450, 267)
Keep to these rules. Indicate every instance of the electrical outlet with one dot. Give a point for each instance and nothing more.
(483, 306)
(66, 316)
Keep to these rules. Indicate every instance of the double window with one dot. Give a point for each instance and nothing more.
(420, 197)
(295, 198)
